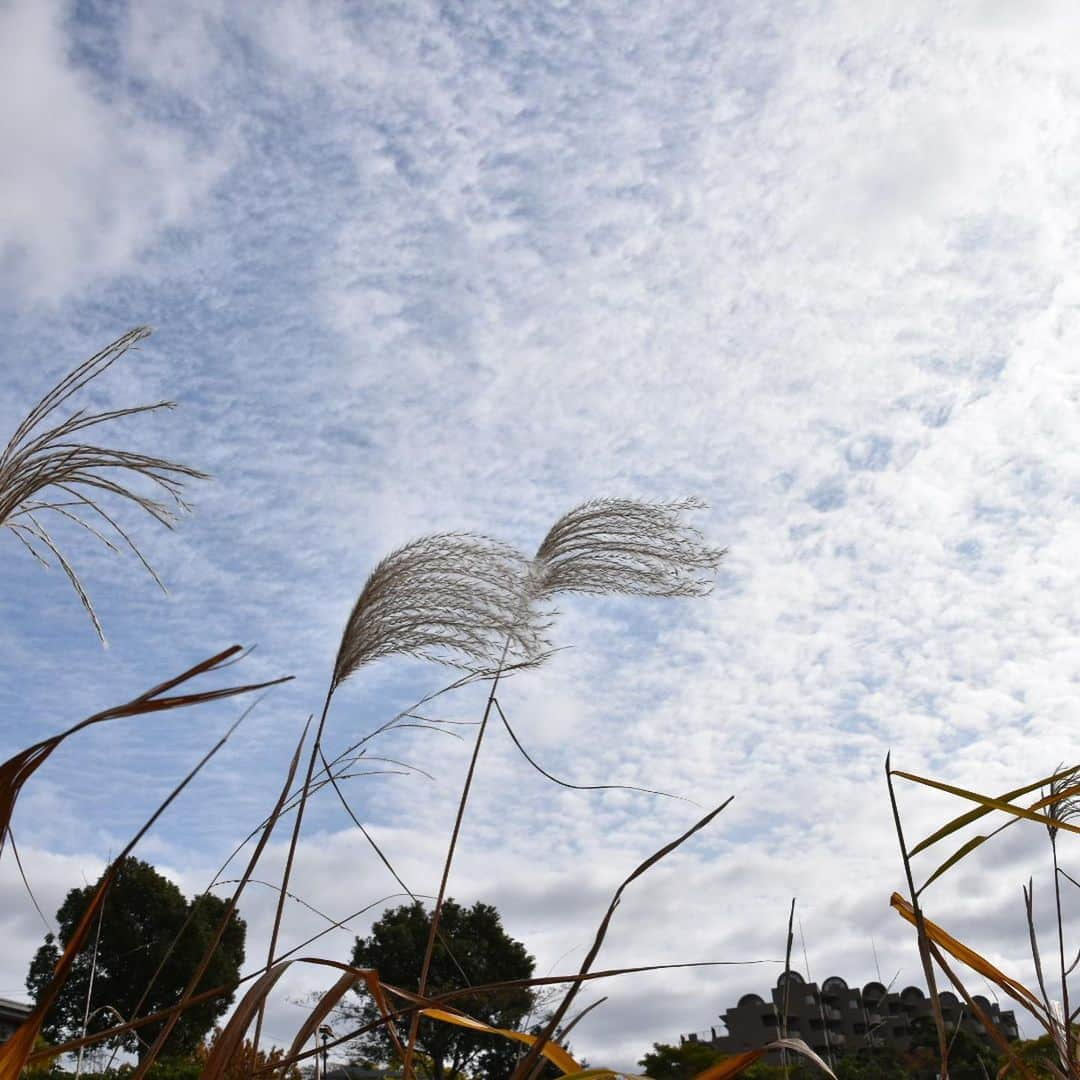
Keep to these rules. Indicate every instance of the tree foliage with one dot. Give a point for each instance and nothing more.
(682, 1062)
(480, 951)
(146, 923)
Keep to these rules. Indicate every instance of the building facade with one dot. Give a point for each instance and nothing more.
(836, 1019)
(12, 1014)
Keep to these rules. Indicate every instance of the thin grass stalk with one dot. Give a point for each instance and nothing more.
(15, 1052)
(582, 787)
(992, 1029)
(287, 872)
(230, 911)
(1070, 1048)
(533, 1055)
(485, 988)
(787, 984)
(385, 861)
(436, 914)
(920, 926)
(90, 985)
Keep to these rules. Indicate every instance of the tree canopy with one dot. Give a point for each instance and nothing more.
(146, 924)
(473, 949)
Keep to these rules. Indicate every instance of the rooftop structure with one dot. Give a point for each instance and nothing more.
(12, 1014)
(836, 1018)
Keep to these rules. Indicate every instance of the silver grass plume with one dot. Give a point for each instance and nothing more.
(454, 598)
(50, 471)
(626, 546)
(1064, 807)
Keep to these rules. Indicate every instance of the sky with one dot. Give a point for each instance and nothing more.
(417, 267)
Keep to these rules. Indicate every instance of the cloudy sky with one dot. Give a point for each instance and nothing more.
(418, 266)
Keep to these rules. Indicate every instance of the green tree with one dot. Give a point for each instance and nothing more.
(144, 924)
(682, 1062)
(969, 1059)
(872, 1063)
(480, 951)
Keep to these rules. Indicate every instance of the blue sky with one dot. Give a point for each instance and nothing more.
(418, 267)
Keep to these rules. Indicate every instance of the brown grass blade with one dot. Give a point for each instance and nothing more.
(15, 1052)
(189, 991)
(231, 1039)
(995, 1033)
(15, 772)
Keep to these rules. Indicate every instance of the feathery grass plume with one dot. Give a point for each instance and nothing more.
(603, 546)
(626, 546)
(49, 470)
(453, 598)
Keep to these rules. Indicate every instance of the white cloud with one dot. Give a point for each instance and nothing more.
(468, 271)
(90, 181)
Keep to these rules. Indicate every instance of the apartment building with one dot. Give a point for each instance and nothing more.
(835, 1018)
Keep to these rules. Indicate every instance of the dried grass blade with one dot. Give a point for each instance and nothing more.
(961, 853)
(232, 1036)
(530, 1059)
(14, 1053)
(995, 1033)
(189, 991)
(18, 769)
(957, 949)
(987, 804)
(552, 1051)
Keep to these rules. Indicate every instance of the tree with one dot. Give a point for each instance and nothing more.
(480, 951)
(146, 922)
(667, 1062)
(969, 1059)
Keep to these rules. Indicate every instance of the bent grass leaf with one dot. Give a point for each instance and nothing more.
(17, 770)
(989, 803)
(977, 841)
(952, 860)
(973, 815)
(552, 1051)
(957, 949)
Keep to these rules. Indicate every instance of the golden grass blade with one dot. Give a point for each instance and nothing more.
(552, 1051)
(732, 1066)
(738, 1063)
(957, 949)
(961, 853)
(986, 805)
